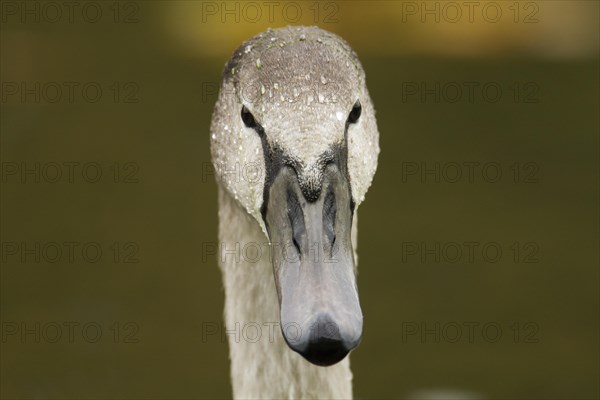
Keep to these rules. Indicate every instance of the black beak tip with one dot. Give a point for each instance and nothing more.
(325, 352)
(325, 346)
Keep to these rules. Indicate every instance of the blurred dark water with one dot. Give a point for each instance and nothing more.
(442, 308)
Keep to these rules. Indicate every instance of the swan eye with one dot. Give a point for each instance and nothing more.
(355, 113)
(248, 118)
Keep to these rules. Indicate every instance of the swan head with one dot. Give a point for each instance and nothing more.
(294, 141)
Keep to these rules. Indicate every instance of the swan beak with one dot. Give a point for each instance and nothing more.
(313, 263)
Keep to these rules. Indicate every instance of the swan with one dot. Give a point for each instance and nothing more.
(294, 144)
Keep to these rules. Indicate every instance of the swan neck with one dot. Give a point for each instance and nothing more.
(262, 365)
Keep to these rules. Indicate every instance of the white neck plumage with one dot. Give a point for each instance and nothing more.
(262, 365)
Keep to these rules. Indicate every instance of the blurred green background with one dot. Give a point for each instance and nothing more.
(152, 289)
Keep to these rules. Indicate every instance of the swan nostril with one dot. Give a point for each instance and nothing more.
(332, 246)
(329, 215)
(297, 246)
(296, 218)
